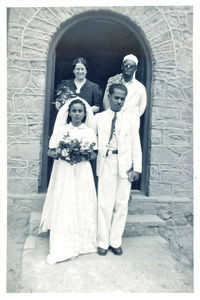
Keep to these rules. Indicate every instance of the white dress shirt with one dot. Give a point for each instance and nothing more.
(113, 144)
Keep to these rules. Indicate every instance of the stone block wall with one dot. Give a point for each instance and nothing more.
(168, 32)
(26, 104)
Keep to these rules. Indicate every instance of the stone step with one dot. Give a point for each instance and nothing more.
(148, 220)
(145, 266)
(136, 225)
(34, 223)
(163, 207)
(138, 208)
(139, 203)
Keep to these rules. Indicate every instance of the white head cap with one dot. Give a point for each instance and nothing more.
(131, 57)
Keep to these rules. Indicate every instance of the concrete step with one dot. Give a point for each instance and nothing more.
(136, 225)
(145, 266)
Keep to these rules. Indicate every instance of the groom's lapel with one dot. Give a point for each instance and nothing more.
(124, 128)
(107, 126)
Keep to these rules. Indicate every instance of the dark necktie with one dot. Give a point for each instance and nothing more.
(112, 126)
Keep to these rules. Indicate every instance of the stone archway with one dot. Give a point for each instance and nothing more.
(109, 50)
(33, 35)
(109, 15)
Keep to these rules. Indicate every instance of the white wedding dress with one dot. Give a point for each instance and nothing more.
(70, 208)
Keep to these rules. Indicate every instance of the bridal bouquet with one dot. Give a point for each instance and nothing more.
(63, 93)
(74, 151)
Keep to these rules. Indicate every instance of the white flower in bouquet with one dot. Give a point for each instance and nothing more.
(85, 145)
(65, 152)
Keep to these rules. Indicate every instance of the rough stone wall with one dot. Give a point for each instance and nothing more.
(171, 127)
(178, 227)
(168, 32)
(19, 209)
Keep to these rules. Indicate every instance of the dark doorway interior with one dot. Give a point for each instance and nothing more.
(103, 42)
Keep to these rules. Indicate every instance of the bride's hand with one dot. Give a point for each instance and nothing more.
(54, 153)
(57, 152)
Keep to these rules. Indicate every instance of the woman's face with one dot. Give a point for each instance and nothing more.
(77, 114)
(80, 71)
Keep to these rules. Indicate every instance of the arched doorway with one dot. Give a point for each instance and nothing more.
(103, 38)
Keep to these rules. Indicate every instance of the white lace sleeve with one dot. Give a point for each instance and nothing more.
(55, 138)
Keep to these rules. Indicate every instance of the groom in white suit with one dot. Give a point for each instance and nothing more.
(119, 162)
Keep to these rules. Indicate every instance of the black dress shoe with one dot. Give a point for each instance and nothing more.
(102, 251)
(117, 251)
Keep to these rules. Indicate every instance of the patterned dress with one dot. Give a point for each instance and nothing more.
(67, 89)
(70, 208)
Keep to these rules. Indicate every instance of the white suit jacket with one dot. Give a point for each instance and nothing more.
(129, 147)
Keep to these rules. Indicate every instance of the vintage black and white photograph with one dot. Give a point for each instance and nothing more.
(100, 154)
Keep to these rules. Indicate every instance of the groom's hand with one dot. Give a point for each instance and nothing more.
(133, 176)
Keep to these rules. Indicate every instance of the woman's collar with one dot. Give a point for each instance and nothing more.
(81, 126)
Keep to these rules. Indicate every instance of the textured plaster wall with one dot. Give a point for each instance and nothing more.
(167, 31)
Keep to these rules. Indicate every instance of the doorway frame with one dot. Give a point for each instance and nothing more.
(101, 15)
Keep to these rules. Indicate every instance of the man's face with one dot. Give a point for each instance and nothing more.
(117, 100)
(129, 67)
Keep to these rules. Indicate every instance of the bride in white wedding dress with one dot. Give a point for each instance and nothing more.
(70, 208)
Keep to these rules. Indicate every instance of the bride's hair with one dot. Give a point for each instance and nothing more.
(76, 101)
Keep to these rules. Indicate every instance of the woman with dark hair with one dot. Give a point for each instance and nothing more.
(70, 208)
(79, 86)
